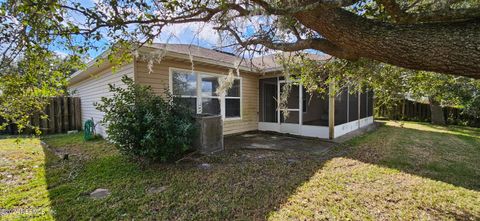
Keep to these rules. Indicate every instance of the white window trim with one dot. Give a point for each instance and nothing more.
(199, 96)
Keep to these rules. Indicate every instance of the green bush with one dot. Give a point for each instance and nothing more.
(146, 126)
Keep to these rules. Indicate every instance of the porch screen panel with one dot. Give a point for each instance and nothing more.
(292, 118)
(315, 109)
(363, 105)
(353, 107)
(292, 105)
(268, 100)
(370, 103)
(341, 106)
(293, 96)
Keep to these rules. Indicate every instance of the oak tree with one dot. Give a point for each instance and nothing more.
(430, 35)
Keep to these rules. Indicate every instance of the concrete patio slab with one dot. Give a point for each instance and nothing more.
(278, 142)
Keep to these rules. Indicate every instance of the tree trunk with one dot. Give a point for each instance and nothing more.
(437, 116)
(451, 47)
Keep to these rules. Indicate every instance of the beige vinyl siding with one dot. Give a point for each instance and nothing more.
(94, 87)
(158, 79)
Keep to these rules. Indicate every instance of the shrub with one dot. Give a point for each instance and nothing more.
(146, 126)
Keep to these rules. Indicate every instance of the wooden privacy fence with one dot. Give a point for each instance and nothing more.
(406, 110)
(414, 111)
(63, 114)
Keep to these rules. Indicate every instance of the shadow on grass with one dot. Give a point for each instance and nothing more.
(447, 154)
(255, 184)
(241, 184)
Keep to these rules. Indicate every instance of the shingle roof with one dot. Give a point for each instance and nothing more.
(266, 63)
(263, 63)
(198, 51)
(272, 63)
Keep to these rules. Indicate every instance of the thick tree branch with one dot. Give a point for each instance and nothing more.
(440, 47)
(291, 7)
(320, 44)
(446, 14)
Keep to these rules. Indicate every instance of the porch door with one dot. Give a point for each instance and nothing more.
(291, 122)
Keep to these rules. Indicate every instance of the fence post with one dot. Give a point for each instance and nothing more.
(51, 116)
(35, 121)
(59, 115)
(71, 117)
(78, 115)
(65, 114)
(44, 122)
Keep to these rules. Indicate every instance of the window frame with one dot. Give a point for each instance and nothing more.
(199, 96)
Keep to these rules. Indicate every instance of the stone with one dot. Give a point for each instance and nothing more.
(153, 190)
(100, 193)
(43, 144)
(292, 161)
(72, 131)
(205, 166)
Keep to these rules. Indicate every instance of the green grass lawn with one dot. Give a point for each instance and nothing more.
(400, 171)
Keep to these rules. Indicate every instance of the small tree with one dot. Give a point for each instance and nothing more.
(144, 125)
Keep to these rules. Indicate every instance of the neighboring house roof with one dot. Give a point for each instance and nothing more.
(263, 64)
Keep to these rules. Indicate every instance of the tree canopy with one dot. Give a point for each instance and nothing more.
(430, 35)
(427, 35)
(26, 87)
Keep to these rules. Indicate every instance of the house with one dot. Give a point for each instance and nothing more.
(250, 104)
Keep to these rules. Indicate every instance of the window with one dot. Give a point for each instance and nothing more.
(232, 100)
(209, 96)
(184, 89)
(209, 85)
(211, 106)
(199, 91)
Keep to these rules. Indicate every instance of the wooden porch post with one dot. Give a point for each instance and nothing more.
(331, 111)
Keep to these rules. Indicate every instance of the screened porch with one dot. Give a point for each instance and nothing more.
(312, 115)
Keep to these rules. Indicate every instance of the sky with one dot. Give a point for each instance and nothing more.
(201, 34)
